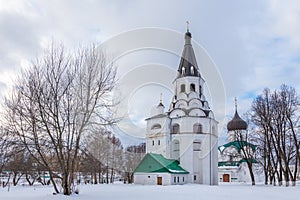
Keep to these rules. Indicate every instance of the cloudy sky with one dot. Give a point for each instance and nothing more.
(253, 44)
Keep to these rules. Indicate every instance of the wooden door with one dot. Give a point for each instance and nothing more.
(225, 177)
(159, 180)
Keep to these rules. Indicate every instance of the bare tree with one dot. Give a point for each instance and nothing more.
(105, 148)
(8, 150)
(276, 115)
(133, 156)
(55, 102)
(16, 166)
(247, 150)
(5, 148)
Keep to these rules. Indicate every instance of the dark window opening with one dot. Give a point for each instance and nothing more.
(152, 142)
(182, 88)
(175, 129)
(197, 145)
(197, 128)
(158, 142)
(174, 179)
(195, 177)
(193, 87)
(178, 179)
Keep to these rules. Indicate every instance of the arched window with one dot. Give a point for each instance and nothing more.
(197, 128)
(192, 70)
(175, 149)
(156, 126)
(175, 129)
(158, 142)
(152, 142)
(183, 70)
(182, 88)
(192, 87)
(197, 145)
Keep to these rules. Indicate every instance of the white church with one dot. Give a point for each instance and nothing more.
(232, 165)
(181, 142)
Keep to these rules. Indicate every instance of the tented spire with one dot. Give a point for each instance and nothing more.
(188, 64)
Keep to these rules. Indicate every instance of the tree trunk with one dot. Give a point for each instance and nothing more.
(16, 178)
(28, 179)
(112, 175)
(95, 178)
(266, 177)
(66, 185)
(251, 173)
(52, 181)
(107, 178)
(280, 177)
(287, 178)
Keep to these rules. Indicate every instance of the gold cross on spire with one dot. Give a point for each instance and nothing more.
(235, 101)
(187, 26)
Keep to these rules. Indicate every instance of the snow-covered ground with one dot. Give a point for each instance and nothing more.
(131, 192)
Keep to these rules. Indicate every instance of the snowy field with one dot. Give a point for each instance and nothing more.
(131, 192)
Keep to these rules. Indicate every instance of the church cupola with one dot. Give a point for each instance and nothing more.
(188, 65)
(159, 109)
(237, 123)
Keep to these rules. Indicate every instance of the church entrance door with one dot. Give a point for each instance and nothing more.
(225, 177)
(159, 180)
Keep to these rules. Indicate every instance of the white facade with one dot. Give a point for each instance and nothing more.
(232, 165)
(234, 173)
(187, 131)
(166, 179)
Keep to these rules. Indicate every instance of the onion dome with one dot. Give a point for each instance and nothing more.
(237, 123)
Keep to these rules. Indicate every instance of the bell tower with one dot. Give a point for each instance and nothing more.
(193, 128)
(187, 132)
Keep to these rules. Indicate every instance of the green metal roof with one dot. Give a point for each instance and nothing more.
(229, 163)
(238, 145)
(152, 163)
(252, 160)
(235, 163)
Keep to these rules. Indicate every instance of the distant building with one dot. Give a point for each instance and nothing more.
(232, 166)
(181, 144)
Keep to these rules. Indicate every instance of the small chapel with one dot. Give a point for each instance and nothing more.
(181, 140)
(232, 164)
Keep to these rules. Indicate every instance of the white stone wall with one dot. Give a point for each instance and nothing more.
(167, 178)
(158, 140)
(187, 81)
(188, 111)
(237, 174)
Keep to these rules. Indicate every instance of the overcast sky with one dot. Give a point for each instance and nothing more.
(254, 44)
